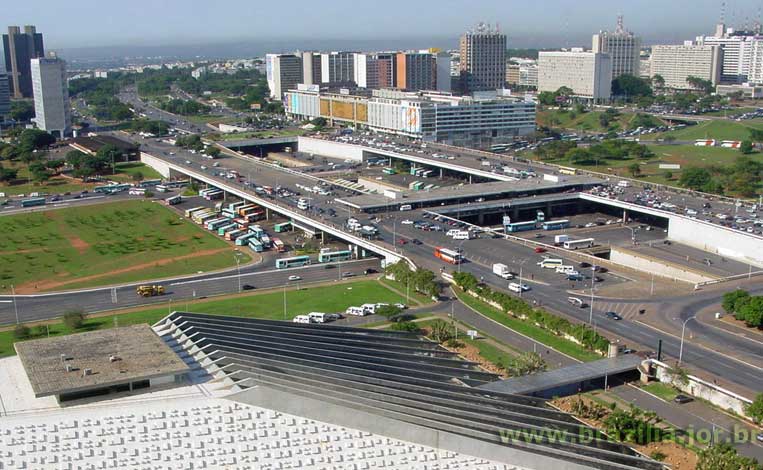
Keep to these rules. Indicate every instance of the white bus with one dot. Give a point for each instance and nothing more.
(577, 244)
(551, 263)
(462, 235)
(357, 311)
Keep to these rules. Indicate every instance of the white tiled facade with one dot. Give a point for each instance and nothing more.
(676, 63)
(587, 74)
(51, 96)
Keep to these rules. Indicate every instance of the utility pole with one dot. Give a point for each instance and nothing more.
(15, 305)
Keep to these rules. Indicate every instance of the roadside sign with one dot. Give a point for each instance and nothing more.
(472, 334)
(506, 220)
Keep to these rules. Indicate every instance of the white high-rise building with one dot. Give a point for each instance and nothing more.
(623, 48)
(51, 96)
(587, 74)
(483, 59)
(677, 63)
(736, 52)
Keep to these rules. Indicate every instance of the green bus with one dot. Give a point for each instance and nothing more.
(284, 227)
(35, 201)
(333, 256)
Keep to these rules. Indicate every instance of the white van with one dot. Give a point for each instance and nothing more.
(516, 287)
(565, 269)
(452, 232)
(551, 263)
(357, 311)
(317, 317)
(368, 309)
(406, 207)
(301, 319)
(462, 235)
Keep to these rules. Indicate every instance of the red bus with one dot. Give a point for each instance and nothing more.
(449, 256)
(278, 245)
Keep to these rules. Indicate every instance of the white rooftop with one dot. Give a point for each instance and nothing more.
(189, 427)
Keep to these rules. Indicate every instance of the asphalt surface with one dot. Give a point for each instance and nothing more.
(259, 276)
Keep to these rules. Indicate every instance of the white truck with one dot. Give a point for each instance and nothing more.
(560, 239)
(501, 270)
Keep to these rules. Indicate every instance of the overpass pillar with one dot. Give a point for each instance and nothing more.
(549, 212)
(440, 173)
(470, 179)
(481, 218)
(323, 238)
(267, 216)
(515, 214)
(625, 216)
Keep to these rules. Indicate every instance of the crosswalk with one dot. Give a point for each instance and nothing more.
(629, 311)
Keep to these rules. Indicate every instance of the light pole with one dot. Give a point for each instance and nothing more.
(238, 270)
(15, 306)
(683, 330)
(633, 233)
(593, 281)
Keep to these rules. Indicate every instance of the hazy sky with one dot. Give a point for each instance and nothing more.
(527, 23)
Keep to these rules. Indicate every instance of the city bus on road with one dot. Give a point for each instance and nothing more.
(293, 262)
(283, 227)
(565, 170)
(35, 201)
(521, 226)
(332, 256)
(449, 256)
(578, 244)
(556, 224)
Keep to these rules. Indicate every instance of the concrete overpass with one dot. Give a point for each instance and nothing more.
(166, 168)
(257, 142)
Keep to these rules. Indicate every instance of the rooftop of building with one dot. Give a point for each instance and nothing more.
(138, 354)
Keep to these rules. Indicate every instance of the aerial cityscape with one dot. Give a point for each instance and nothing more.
(401, 237)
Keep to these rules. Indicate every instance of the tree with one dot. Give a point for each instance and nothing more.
(634, 169)
(695, 178)
(319, 122)
(547, 98)
(8, 174)
(756, 135)
(752, 312)
(524, 364)
(755, 409)
(705, 86)
(723, 456)
(137, 176)
(630, 86)
(734, 300)
(39, 172)
(213, 152)
(33, 139)
(22, 111)
(440, 331)
(658, 81)
(745, 147)
(74, 319)
(110, 154)
(668, 175)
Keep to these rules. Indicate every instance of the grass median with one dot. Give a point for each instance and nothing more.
(539, 334)
(269, 305)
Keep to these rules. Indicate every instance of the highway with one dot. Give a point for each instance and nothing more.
(260, 276)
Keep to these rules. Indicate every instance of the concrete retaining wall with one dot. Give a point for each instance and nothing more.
(697, 387)
(330, 149)
(160, 166)
(659, 267)
(726, 242)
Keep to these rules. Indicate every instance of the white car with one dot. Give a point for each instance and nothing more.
(407, 222)
(294, 278)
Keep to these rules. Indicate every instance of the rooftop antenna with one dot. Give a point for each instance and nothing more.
(620, 27)
(757, 22)
(723, 13)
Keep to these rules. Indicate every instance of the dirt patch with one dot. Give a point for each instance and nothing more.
(78, 244)
(48, 284)
(678, 457)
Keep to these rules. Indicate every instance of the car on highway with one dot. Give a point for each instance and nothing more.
(540, 249)
(759, 437)
(613, 316)
(407, 222)
(370, 271)
(348, 274)
(294, 278)
(402, 241)
(416, 241)
(247, 287)
(682, 399)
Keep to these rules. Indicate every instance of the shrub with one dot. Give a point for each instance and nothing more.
(408, 326)
(440, 331)
(21, 332)
(74, 319)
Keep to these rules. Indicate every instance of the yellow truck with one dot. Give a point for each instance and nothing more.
(149, 291)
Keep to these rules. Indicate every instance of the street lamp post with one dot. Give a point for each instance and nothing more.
(238, 270)
(683, 330)
(15, 305)
(593, 281)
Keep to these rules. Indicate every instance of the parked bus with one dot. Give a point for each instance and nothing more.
(255, 245)
(243, 240)
(203, 192)
(521, 226)
(162, 188)
(565, 170)
(449, 256)
(171, 201)
(111, 188)
(214, 195)
(214, 224)
(233, 234)
(577, 244)
(427, 173)
(556, 224)
(292, 262)
(234, 206)
(278, 245)
(389, 171)
(35, 201)
(175, 184)
(333, 256)
(189, 212)
(226, 228)
(283, 227)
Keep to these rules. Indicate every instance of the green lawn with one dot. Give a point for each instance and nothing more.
(332, 298)
(718, 130)
(103, 244)
(560, 344)
(588, 121)
(61, 184)
(666, 392)
(414, 296)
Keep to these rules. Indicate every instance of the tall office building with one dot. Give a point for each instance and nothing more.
(416, 71)
(338, 67)
(20, 48)
(736, 52)
(677, 63)
(623, 48)
(51, 96)
(5, 98)
(482, 59)
(283, 71)
(587, 74)
(311, 68)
